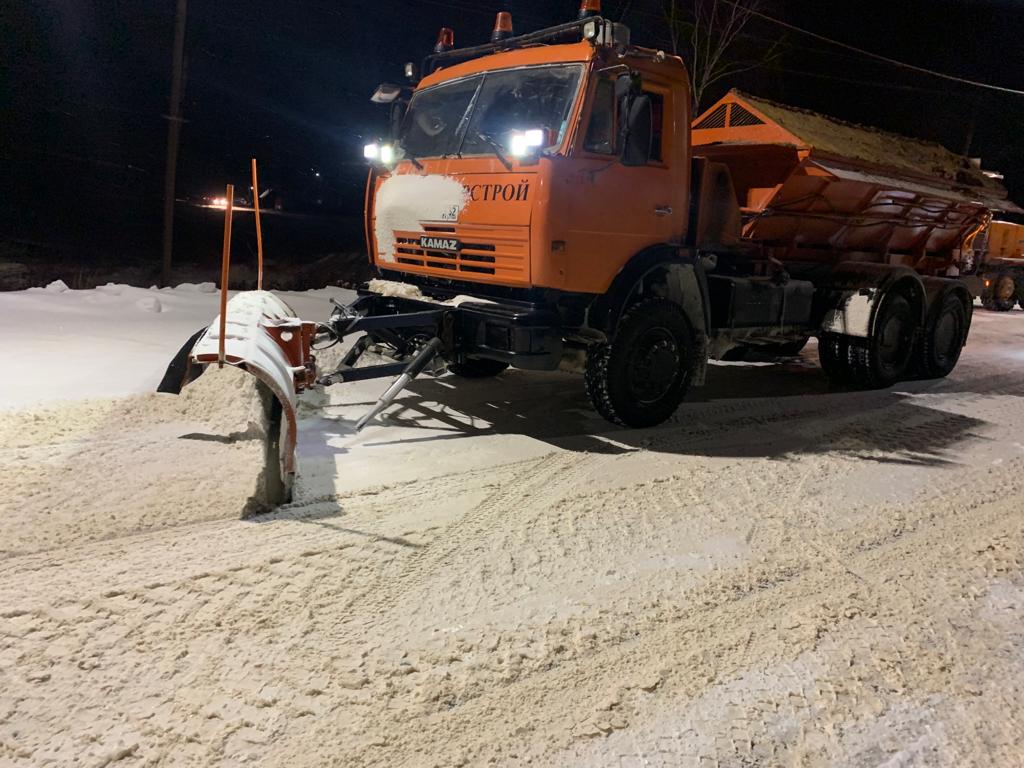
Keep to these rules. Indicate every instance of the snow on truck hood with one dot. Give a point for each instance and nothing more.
(403, 201)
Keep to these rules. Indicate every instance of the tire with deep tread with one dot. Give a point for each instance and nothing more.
(833, 355)
(879, 360)
(477, 368)
(943, 338)
(654, 333)
(884, 358)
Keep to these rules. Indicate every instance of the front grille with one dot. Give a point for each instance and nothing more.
(491, 254)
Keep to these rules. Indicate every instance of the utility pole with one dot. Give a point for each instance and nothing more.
(972, 126)
(173, 137)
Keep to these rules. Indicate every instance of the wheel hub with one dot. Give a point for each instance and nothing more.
(654, 366)
(1005, 289)
(894, 337)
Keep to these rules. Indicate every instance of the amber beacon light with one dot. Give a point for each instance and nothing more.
(502, 27)
(590, 8)
(445, 40)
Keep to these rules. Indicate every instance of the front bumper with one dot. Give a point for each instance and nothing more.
(522, 334)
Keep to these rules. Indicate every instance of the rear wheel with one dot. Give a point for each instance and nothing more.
(833, 355)
(881, 359)
(477, 369)
(944, 338)
(641, 377)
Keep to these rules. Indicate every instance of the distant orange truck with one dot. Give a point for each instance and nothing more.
(998, 259)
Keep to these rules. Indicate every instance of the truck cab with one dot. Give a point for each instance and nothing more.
(510, 169)
(543, 178)
(551, 183)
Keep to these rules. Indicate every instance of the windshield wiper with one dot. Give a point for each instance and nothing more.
(406, 155)
(496, 147)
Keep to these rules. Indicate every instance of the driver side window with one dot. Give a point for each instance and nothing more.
(601, 130)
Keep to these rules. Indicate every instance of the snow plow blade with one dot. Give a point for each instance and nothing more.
(263, 337)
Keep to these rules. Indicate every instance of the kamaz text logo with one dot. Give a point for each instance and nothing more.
(438, 243)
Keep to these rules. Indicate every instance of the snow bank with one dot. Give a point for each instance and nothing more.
(110, 341)
(100, 468)
(195, 288)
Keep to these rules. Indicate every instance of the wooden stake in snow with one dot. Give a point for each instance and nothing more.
(225, 268)
(259, 231)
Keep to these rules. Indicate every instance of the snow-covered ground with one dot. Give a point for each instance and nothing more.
(60, 344)
(783, 575)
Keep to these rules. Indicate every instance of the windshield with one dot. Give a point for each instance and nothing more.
(468, 116)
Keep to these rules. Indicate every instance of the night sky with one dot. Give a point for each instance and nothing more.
(85, 85)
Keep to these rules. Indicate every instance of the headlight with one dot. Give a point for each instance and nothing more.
(379, 153)
(524, 141)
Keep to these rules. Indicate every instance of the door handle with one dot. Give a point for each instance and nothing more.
(663, 210)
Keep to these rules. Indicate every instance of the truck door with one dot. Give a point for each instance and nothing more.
(616, 211)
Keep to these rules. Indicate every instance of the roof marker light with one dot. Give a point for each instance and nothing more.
(502, 27)
(445, 40)
(590, 8)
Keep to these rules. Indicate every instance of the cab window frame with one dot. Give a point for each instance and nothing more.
(585, 146)
(664, 93)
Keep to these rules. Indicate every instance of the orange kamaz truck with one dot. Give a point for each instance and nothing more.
(998, 261)
(548, 199)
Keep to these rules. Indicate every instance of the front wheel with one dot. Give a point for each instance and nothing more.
(641, 377)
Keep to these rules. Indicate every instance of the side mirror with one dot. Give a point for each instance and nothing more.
(636, 134)
(628, 86)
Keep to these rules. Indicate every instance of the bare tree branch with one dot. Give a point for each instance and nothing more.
(712, 36)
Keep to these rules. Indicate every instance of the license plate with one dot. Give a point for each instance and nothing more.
(434, 243)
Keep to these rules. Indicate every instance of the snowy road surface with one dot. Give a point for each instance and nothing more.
(783, 575)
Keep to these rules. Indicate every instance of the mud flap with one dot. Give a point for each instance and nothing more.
(264, 338)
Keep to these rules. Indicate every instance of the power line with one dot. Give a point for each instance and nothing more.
(870, 83)
(877, 56)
